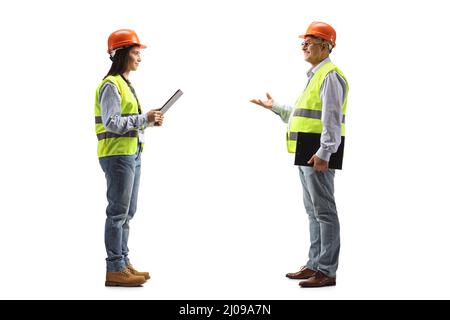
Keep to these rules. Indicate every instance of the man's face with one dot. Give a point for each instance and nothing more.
(135, 58)
(314, 50)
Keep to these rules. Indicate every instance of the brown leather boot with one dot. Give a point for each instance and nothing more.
(133, 271)
(123, 278)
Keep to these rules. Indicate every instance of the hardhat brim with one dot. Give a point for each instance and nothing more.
(140, 45)
(303, 36)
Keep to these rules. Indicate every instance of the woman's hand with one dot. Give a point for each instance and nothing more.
(155, 116)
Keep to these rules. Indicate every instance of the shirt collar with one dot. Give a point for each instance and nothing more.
(313, 70)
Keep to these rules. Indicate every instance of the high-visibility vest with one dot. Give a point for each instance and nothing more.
(109, 143)
(307, 113)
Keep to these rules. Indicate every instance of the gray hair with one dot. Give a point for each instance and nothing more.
(329, 45)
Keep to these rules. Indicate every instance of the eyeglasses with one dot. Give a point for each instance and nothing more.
(309, 43)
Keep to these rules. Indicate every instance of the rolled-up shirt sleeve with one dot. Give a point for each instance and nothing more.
(332, 94)
(110, 103)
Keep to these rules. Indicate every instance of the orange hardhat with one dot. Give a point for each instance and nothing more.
(321, 30)
(123, 38)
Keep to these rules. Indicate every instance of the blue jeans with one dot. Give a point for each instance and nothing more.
(122, 177)
(318, 198)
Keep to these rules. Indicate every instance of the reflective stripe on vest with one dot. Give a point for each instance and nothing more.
(98, 119)
(110, 144)
(307, 114)
(313, 114)
(108, 135)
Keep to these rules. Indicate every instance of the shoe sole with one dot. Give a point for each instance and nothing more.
(118, 284)
(302, 278)
(324, 285)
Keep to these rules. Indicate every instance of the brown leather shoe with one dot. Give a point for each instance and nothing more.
(304, 273)
(123, 278)
(133, 271)
(319, 279)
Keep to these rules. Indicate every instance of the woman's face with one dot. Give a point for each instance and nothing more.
(135, 58)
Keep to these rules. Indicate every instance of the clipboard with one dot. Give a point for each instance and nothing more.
(307, 146)
(171, 101)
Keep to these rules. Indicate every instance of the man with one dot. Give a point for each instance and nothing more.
(318, 115)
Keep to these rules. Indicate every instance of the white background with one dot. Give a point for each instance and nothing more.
(220, 214)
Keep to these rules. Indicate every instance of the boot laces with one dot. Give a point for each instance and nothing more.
(126, 271)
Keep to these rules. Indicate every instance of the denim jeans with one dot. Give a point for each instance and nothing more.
(318, 198)
(122, 177)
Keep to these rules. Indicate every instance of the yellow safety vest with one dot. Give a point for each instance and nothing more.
(109, 143)
(307, 113)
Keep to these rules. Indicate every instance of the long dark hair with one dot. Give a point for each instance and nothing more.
(119, 62)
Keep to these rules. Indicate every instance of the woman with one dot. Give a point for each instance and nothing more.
(120, 128)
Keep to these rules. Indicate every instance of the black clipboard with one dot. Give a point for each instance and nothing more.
(171, 101)
(307, 146)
